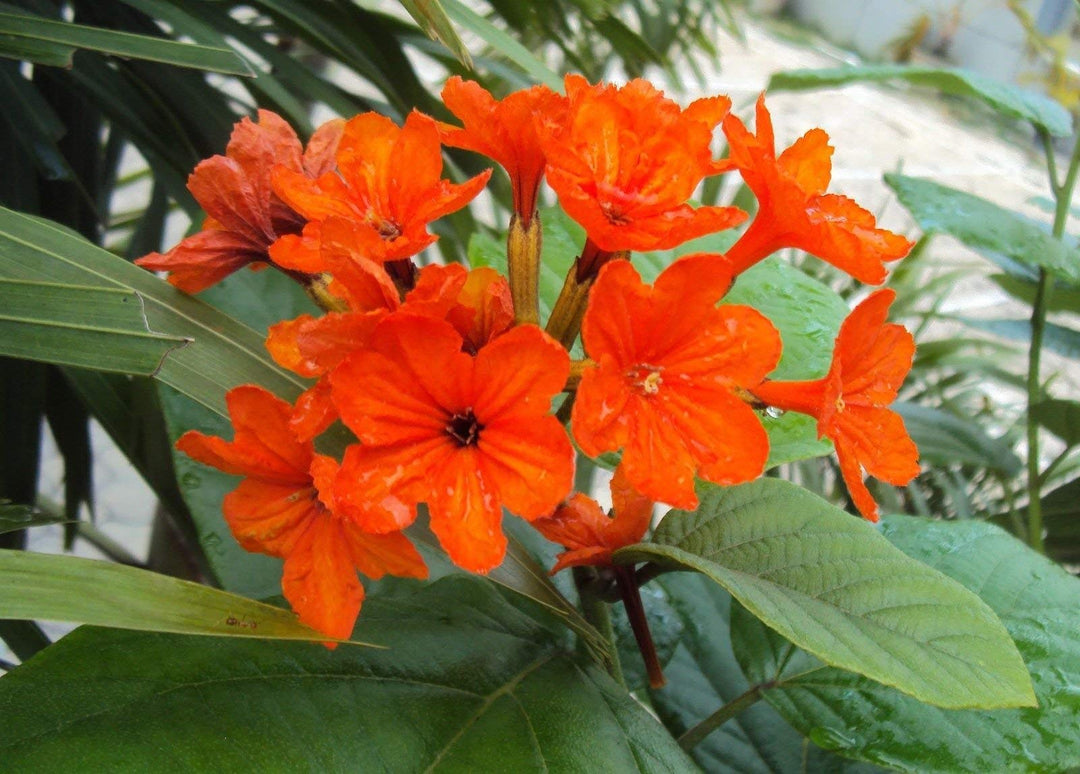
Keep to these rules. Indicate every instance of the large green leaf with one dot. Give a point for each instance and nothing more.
(1035, 599)
(704, 675)
(945, 439)
(68, 588)
(985, 226)
(469, 682)
(89, 327)
(828, 581)
(1006, 98)
(37, 31)
(222, 354)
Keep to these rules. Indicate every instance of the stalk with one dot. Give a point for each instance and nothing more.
(694, 736)
(1063, 196)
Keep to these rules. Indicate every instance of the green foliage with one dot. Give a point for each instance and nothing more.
(72, 325)
(1004, 98)
(1034, 598)
(827, 581)
(55, 588)
(467, 681)
(983, 225)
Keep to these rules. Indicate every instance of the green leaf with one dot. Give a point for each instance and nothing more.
(945, 439)
(37, 30)
(1061, 520)
(88, 327)
(503, 43)
(982, 225)
(1036, 601)
(793, 437)
(1064, 298)
(1057, 338)
(828, 582)
(222, 354)
(807, 313)
(431, 17)
(469, 682)
(1060, 417)
(1006, 98)
(14, 516)
(55, 588)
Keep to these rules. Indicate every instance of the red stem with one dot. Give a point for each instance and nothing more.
(635, 611)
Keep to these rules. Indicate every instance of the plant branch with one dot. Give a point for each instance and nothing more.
(695, 735)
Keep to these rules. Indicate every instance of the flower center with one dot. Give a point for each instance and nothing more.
(646, 378)
(389, 230)
(839, 403)
(464, 428)
(614, 215)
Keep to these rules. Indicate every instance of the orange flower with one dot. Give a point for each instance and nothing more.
(670, 365)
(795, 211)
(503, 130)
(869, 364)
(280, 509)
(245, 217)
(467, 435)
(625, 161)
(590, 535)
(388, 187)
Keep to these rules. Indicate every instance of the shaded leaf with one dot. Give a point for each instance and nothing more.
(1036, 601)
(39, 30)
(1064, 298)
(222, 354)
(1006, 98)
(1061, 520)
(469, 682)
(945, 439)
(1060, 417)
(1057, 338)
(982, 225)
(703, 675)
(826, 581)
(14, 516)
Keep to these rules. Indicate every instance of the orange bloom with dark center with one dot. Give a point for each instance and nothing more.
(388, 187)
(467, 435)
(670, 366)
(591, 536)
(280, 509)
(245, 216)
(869, 364)
(504, 130)
(477, 303)
(624, 162)
(795, 211)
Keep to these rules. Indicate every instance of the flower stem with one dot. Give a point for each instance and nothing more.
(694, 736)
(635, 611)
(1063, 196)
(523, 242)
(597, 613)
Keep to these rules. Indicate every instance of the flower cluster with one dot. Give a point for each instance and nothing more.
(444, 376)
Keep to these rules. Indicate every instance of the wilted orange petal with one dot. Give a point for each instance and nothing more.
(269, 518)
